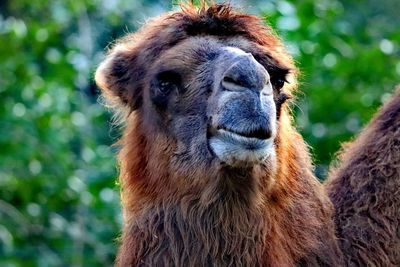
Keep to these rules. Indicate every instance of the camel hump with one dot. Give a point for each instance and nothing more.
(365, 190)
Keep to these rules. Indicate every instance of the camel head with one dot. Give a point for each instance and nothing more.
(206, 88)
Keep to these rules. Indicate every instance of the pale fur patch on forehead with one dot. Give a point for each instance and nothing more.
(234, 50)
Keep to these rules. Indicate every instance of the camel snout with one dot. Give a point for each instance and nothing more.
(245, 73)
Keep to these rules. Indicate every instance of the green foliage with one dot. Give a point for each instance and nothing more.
(59, 203)
(348, 53)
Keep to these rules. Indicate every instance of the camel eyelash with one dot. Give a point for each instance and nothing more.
(169, 76)
(278, 83)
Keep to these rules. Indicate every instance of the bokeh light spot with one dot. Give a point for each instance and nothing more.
(19, 109)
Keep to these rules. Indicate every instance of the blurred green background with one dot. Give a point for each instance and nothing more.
(59, 203)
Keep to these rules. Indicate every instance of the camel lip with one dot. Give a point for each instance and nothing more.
(237, 135)
(237, 150)
(238, 139)
(259, 134)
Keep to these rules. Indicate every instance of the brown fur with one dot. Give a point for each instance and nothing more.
(365, 191)
(201, 213)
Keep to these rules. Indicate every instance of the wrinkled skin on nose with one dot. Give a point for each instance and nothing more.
(243, 71)
(243, 124)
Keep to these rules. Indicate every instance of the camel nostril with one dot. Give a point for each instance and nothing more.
(229, 81)
(244, 73)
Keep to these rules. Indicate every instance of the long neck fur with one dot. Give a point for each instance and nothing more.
(256, 221)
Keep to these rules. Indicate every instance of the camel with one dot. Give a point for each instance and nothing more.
(365, 190)
(212, 170)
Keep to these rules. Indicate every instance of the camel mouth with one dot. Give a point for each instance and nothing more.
(257, 133)
(236, 148)
(245, 141)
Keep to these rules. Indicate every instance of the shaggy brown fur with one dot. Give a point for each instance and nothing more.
(365, 191)
(183, 207)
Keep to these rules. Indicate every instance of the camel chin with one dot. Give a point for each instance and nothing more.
(237, 150)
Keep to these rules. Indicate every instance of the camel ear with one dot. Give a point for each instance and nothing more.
(119, 77)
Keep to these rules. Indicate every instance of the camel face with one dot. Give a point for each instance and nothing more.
(244, 116)
(214, 96)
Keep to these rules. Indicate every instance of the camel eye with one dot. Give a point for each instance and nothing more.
(166, 86)
(168, 81)
(165, 83)
(278, 83)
